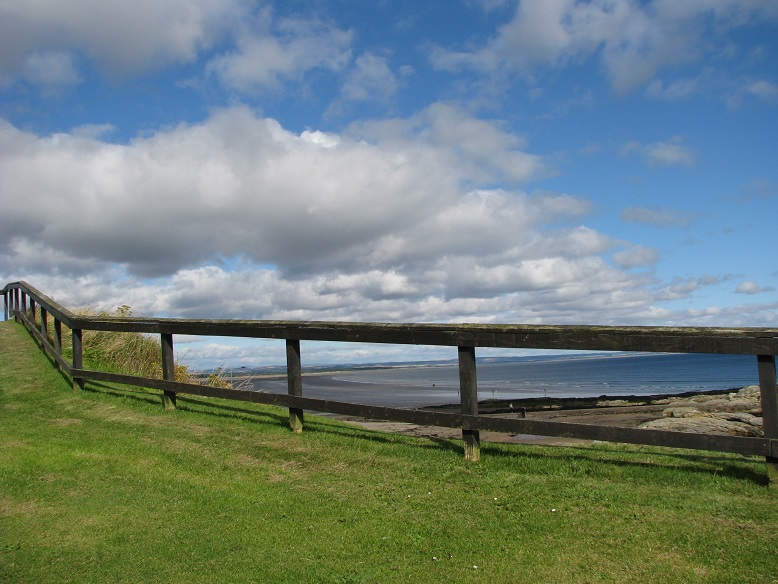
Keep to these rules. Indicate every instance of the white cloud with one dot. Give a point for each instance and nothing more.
(760, 89)
(370, 79)
(740, 315)
(479, 149)
(668, 153)
(636, 256)
(93, 131)
(750, 287)
(381, 223)
(763, 89)
(678, 89)
(51, 70)
(633, 41)
(241, 184)
(683, 288)
(120, 37)
(268, 52)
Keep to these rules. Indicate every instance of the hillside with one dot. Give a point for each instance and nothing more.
(103, 485)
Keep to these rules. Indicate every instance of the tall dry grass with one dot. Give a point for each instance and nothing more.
(129, 353)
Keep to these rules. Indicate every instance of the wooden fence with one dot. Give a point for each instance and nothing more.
(34, 309)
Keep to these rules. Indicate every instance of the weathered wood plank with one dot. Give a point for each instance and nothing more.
(769, 393)
(468, 394)
(44, 322)
(294, 382)
(593, 338)
(54, 308)
(77, 337)
(58, 336)
(743, 341)
(168, 370)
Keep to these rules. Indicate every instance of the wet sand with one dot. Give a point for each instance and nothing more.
(326, 385)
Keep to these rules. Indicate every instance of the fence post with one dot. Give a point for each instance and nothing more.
(57, 340)
(767, 387)
(78, 356)
(45, 323)
(294, 382)
(468, 389)
(168, 370)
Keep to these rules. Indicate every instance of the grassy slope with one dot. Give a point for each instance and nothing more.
(104, 486)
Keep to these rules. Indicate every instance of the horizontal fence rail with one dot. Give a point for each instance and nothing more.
(34, 309)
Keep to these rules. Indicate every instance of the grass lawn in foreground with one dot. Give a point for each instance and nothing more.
(103, 485)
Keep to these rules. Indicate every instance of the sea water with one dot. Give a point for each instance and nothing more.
(591, 375)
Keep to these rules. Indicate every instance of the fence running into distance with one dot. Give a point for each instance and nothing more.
(22, 301)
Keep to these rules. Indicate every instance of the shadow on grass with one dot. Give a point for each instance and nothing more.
(319, 424)
(697, 462)
(140, 395)
(191, 404)
(49, 357)
(343, 428)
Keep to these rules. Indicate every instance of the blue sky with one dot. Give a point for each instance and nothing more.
(605, 162)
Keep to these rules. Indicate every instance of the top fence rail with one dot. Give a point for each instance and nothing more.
(735, 341)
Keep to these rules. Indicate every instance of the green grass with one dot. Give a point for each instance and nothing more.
(103, 485)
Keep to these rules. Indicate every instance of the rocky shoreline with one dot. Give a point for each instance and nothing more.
(735, 412)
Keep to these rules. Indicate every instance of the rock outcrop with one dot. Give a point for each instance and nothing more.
(695, 415)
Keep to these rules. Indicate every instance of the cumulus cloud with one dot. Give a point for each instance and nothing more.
(239, 184)
(107, 33)
(750, 287)
(479, 149)
(51, 70)
(382, 222)
(269, 51)
(632, 40)
(636, 256)
(371, 79)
